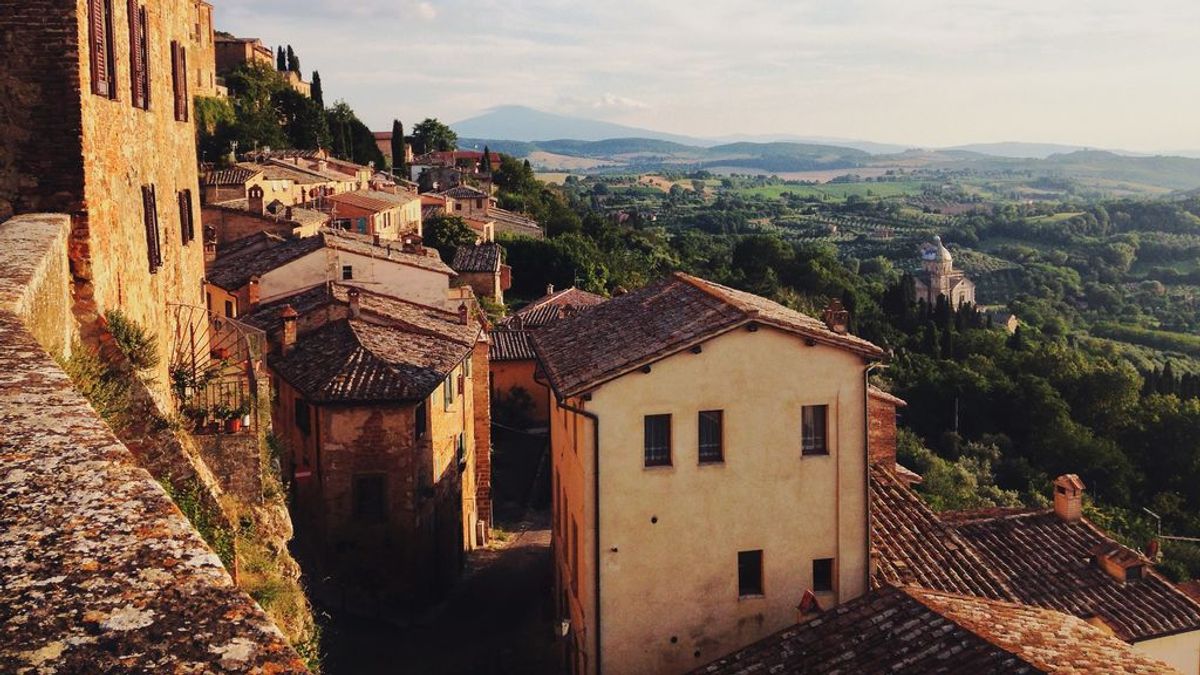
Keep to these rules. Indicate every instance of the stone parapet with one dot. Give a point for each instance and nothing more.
(101, 572)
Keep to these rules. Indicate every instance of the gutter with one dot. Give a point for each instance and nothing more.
(867, 467)
(596, 506)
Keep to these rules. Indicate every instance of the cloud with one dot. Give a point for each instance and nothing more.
(613, 102)
(426, 11)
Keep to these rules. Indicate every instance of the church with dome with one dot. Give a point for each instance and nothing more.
(938, 277)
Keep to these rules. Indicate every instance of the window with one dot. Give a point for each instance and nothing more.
(347, 272)
(342, 224)
(712, 423)
(467, 366)
(179, 81)
(362, 225)
(822, 578)
(813, 433)
(303, 423)
(448, 392)
(457, 206)
(750, 576)
(150, 220)
(460, 451)
(370, 503)
(100, 48)
(479, 203)
(658, 440)
(139, 52)
(187, 226)
(229, 309)
(421, 423)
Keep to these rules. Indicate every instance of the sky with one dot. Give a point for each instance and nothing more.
(1101, 73)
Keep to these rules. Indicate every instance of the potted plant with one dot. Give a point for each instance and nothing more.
(234, 418)
(197, 413)
(224, 413)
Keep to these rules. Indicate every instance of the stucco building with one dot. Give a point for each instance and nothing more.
(481, 266)
(376, 406)
(389, 215)
(709, 470)
(938, 277)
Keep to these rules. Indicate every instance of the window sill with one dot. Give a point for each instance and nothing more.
(658, 467)
(815, 454)
(712, 462)
(752, 596)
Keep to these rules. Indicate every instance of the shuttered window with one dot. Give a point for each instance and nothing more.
(814, 439)
(139, 62)
(179, 81)
(658, 440)
(100, 48)
(150, 218)
(187, 226)
(711, 433)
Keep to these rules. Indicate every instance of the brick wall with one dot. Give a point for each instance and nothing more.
(483, 437)
(881, 427)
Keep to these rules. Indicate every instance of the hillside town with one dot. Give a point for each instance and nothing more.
(253, 400)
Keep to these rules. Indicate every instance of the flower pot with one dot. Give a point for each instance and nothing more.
(214, 427)
(234, 425)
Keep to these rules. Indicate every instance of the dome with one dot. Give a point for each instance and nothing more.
(937, 252)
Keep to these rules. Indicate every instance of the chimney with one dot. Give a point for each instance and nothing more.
(289, 316)
(287, 214)
(254, 292)
(837, 319)
(322, 166)
(210, 252)
(355, 302)
(1068, 497)
(549, 289)
(254, 198)
(464, 314)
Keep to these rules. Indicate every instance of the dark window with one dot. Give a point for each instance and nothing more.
(448, 392)
(712, 423)
(229, 309)
(150, 220)
(370, 498)
(461, 451)
(479, 203)
(100, 48)
(139, 72)
(179, 81)
(422, 420)
(347, 272)
(575, 557)
(187, 226)
(658, 440)
(750, 576)
(823, 574)
(813, 433)
(303, 423)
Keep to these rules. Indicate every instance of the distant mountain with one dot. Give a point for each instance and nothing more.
(519, 123)
(1019, 150)
(865, 146)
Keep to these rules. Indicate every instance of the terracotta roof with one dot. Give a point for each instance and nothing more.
(508, 222)
(395, 351)
(511, 345)
(1047, 561)
(463, 192)
(550, 307)
(275, 170)
(299, 215)
(238, 175)
(233, 270)
(911, 546)
(911, 630)
(477, 258)
(373, 200)
(608, 340)
(1191, 589)
(882, 395)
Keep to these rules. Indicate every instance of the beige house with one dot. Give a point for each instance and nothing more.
(709, 469)
(389, 215)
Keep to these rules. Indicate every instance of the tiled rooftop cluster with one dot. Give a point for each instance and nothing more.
(510, 340)
(99, 571)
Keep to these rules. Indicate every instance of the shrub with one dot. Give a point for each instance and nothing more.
(139, 347)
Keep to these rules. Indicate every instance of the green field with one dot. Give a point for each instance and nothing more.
(837, 191)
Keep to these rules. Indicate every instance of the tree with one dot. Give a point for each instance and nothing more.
(433, 136)
(446, 234)
(303, 120)
(281, 59)
(351, 139)
(399, 166)
(318, 95)
(293, 61)
(485, 163)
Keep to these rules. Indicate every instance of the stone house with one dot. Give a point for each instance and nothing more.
(938, 277)
(481, 267)
(204, 59)
(377, 406)
(236, 219)
(252, 274)
(513, 364)
(92, 85)
(232, 52)
(709, 469)
(476, 205)
(389, 215)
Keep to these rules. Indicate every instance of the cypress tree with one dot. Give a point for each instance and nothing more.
(293, 61)
(281, 59)
(399, 166)
(485, 163)
(318, 96)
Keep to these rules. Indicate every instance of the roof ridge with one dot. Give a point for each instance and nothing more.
(711, 289)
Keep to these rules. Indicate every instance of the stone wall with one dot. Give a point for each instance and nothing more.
(77, 512)
(483, 438)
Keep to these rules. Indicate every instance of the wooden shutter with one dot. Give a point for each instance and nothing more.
(187, 226)
(136, 64)
(175, 75)
(179, 79)
(99, 46)
(150, 218)
(144, 46)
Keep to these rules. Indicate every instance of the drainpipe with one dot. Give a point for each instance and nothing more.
(867, 463)
(596, 494)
